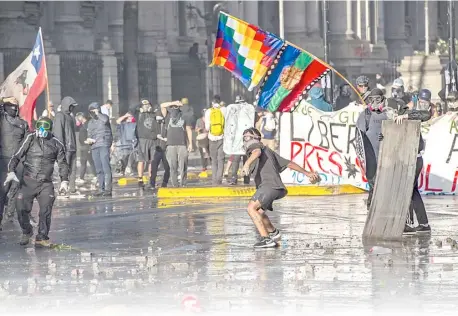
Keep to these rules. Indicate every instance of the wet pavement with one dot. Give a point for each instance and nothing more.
(133, 254)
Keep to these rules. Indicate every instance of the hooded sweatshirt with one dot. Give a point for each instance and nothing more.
(64, 127)
(317, 96)
(99, 129)
(344, 98)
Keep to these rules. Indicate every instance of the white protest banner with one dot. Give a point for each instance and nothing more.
(322, 142)
(440, 159)
(326, 143)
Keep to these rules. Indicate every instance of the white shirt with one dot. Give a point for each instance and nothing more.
(207, 124)
(105, 110)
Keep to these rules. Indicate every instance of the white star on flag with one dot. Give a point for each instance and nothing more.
(36, 52)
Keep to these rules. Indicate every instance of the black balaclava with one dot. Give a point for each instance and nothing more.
(11, 109)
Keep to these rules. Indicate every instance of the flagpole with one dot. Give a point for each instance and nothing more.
(46, 75)
(281, 19)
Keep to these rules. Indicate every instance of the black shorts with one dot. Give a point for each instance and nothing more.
(146, 149)
(266, 196)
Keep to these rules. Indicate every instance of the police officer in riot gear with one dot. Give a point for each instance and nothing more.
(40, 151)
(12, 132)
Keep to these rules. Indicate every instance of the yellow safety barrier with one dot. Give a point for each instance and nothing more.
(206, 192)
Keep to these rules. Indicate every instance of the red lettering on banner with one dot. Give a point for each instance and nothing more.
(455, 178)
(427, 188)
(320, 159)
(339, 166)
(323, 159)
(294, 153)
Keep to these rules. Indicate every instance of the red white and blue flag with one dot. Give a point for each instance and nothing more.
(28, 81)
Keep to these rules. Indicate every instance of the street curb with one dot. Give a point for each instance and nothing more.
(304, 190)
(191, 176)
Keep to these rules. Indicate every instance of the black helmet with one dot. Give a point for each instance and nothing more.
(425, 95)
(45, 123)
(362, 81)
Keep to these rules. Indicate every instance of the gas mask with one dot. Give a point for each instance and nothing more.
(11, 109)
(376, 103)
(43, 128)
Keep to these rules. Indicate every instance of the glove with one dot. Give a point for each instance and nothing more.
(63, 187)
(380, 137)
(11, 176)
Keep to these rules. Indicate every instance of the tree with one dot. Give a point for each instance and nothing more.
(130, 48)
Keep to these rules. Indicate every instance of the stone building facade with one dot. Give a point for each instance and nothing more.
(84, 42)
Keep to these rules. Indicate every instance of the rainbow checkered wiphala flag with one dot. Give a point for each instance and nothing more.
(244, 49)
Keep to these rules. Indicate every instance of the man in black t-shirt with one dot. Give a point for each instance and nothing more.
(267, 166)
(147, 129)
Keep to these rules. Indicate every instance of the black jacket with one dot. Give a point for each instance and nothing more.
(40, 155)
(64, 128)
(99, 128)
(12, 132)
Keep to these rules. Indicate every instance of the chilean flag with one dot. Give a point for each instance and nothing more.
(28, 81)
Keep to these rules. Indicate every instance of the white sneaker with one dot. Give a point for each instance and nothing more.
(79, 181)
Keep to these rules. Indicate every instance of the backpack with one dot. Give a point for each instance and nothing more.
(269, 124)
(216, 122)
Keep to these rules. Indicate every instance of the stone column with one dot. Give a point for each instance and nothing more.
(395, 31)
(251, 12)
(109, 75)
(151, 23)
(115, 24)
(340, 20)
(53, 67)
(433, 17)
(18, 23)
(380, 22)
(70, 35)
(2, 75)
(379, 48)
(296, 22)
(164, 72)
(313, 19)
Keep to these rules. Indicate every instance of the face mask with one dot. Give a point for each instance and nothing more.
(93, 115)
(11, 110)
(249, 141)
(42, 133)
(423, 105)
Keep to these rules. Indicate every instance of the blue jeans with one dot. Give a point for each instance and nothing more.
(101, 156)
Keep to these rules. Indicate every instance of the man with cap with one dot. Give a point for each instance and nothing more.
(398, 92)
(100, 137)
(13, 130)
(147, 129)
(40, 150)
(362, 85)
(64, 129)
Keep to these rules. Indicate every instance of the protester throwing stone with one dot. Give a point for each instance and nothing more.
(266, 166)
